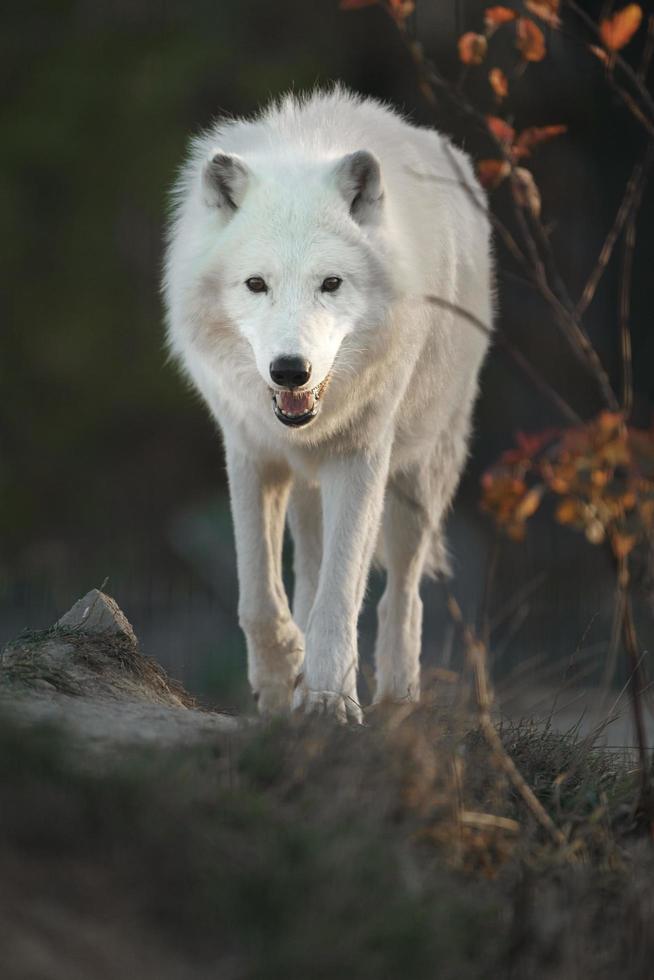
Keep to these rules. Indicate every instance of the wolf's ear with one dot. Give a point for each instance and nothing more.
(225, 179)
(358, 178)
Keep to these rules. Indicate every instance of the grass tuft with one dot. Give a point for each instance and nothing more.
(300, 848)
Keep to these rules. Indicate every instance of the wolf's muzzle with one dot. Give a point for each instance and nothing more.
(298, 408)
(295, 408)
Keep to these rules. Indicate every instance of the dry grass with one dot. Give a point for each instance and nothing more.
(69, 661)
(295, 849)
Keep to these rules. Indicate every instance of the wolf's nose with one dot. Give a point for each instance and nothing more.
(290, 372)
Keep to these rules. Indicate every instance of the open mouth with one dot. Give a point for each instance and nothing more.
(297, 408)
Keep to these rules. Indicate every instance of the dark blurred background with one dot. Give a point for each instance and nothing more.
(110, 469)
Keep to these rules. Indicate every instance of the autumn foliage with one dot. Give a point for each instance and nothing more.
(594, 476)
(600, 474)
(600, 477)
(618, 30)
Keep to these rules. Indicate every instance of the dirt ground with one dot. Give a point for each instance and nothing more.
(142, 836)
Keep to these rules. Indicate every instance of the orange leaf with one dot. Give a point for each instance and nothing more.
(496, 16)
(628, 500)
(622, 544)
(609, 422)
(499, 82)
(568, 511)
(618, 30)
(559, 484)
(531, 137)
(530, 40)
(491, 173)
(500, 129)
(599, 478)
(472, 48)
(547, 10)
(615, 453)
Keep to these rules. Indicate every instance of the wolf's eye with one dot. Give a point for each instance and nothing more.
(331, 284)
(256, 284)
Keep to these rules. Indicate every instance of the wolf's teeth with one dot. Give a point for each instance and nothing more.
(303, 413)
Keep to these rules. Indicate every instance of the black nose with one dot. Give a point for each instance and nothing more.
(290, 372)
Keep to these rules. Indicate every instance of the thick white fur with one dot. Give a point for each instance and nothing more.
(377, 468)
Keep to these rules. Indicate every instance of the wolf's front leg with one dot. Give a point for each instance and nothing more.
(259, 493)
(352, 501)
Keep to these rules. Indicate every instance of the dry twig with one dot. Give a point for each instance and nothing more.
(477, 659)
(632, 195)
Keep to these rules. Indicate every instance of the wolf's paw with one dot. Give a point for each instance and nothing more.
(329, 703)
(274, 698)
(397, 693)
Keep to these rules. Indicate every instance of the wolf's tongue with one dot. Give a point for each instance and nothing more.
(295, 402)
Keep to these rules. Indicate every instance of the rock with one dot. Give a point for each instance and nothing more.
(92, 651)
(87, 674)
(98, 613)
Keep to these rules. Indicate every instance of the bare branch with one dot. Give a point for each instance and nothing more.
(632, 194)
(564, 318)
(543, 386)
(648, 51)
(624, 307)
(477, 658)
(523, 363)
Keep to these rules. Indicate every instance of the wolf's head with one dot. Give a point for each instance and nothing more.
(290, 263)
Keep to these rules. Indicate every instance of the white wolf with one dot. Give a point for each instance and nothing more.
(317, 257)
